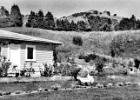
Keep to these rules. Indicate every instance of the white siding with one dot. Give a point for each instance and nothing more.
(4, 51)
(22, 54)
(44, 53)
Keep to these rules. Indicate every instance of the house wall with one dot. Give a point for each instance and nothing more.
(4, 50)
(44, 53)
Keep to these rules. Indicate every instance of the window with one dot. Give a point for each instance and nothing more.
(30, 53)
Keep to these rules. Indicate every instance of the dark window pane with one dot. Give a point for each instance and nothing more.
(29, 53)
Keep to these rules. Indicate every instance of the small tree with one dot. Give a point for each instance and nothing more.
(31, 20)
(4, 66)
(16, 16)
(73, 26)
(49, 21)
(4, 11)
(40, 19)
(99, 62)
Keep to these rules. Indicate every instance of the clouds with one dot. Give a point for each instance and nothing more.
(66, 7)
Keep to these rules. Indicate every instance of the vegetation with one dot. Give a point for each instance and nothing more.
(83, 94)
(129, 23)
(12, 19)
(99, 42)
(91, 21)
(16, 16)
(4, 66)
(77, 41)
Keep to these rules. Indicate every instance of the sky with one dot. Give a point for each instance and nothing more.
(61, 8)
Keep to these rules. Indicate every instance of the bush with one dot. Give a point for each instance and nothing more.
(4, 66)
(67, 69)
(27, 72)
(99, 63)
(49, 70)
(77, 40)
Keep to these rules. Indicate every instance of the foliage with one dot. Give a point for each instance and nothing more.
(4, 66)
(122, 44)
(49, 70)
(27, 72)
(67, 69)
(100, 24)
(31, 20)
(40, 19)
(49, 21)
(73, 26)
(128, 23)
(81, 26)
(4, 11)
(99, 63)
(16, 16)
(77, 40)
(115, 71)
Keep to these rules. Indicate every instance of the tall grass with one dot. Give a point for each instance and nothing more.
(92, 41)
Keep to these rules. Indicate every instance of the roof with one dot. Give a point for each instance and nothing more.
(21, 37)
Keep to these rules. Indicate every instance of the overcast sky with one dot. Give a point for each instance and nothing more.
(66, 7)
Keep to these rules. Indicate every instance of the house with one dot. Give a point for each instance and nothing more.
(21, 49)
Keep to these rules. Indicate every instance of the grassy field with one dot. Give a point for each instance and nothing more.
(92, 41)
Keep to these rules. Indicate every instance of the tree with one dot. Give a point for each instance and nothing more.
(16, 16)
(66, 25)
(125, 24)
(81, 25)
(73, 26)
(4, 12)
(49, 21)
(138, 24)
(133, 21)
(128, 23)
(31, 20)
(59, 25)
(40, 19)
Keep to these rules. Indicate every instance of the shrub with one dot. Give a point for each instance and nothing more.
(4, 66)
(99, 63)
(48, 71)
(67, 69)
(27, 72)
(115, 71)
(77, 40)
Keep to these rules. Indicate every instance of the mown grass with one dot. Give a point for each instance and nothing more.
(122, 93)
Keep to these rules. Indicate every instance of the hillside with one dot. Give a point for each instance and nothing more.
(95, 18)
(99, 42)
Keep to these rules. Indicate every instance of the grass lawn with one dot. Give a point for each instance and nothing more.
(121, 93)
(114, 93)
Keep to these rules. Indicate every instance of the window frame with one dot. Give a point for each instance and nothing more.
(34, 53)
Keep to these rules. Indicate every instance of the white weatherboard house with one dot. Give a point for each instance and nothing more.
(21, 49)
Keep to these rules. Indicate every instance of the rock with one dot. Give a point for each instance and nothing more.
(89, 79)
(109, 85)
(119, 84)
(19, 92)
(0, 94)
(45, 89)
(40, 89)
(55, 87)
(99, 85)
(6, 93)
(128, 83)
